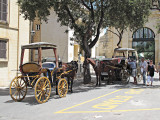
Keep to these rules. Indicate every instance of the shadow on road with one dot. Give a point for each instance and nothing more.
(79, 87)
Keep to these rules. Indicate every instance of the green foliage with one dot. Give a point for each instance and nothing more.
(125, 14)
(128, 13)
(35, 8)
(87, 17)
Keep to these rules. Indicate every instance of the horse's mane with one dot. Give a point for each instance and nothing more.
(91, 61)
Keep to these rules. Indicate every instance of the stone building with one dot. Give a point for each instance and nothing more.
(14, 32)
(145, 40)
(53, 32)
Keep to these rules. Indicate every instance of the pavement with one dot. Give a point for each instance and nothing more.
(87, 102)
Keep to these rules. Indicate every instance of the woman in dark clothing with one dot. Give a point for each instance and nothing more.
(150, 72)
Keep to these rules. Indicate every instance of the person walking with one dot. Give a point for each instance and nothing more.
(133, 66)
(143, 66)
(150, 72)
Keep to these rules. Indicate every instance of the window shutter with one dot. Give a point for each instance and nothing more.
(3, 49)
(3, 10)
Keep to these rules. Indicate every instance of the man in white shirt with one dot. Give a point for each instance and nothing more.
(143, 66)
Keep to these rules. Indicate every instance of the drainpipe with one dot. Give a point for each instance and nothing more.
(32, 33)
(18, 45)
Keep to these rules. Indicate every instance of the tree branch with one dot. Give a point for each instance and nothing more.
(86, 5)
(70, 15)
(98, 28)
(113, 32)
(92, 11)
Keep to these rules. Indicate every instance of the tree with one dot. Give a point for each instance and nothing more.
(130, 14)
(85, 17)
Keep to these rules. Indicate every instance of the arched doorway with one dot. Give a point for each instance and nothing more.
(144, 43)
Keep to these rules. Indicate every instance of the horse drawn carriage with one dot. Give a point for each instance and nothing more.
(39, 75)
(117, 68)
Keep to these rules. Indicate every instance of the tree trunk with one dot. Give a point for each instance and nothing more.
(120, 39)
(86, 74)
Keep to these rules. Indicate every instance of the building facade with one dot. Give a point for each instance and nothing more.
(53, 32)
(14, 32)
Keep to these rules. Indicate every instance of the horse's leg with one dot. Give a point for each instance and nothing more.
(68, 79)
(71, 84)
(97, 79)
(56, 87)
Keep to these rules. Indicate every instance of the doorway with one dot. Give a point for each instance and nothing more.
(144, 43)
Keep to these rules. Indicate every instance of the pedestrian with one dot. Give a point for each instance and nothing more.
(133, 66)
(150, 72)
(158, 69)
(143, 66)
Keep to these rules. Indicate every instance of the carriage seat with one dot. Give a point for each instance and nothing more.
(31, 68)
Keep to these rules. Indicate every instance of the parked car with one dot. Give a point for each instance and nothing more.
(51, 59)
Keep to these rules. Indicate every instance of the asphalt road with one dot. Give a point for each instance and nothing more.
(87, 102)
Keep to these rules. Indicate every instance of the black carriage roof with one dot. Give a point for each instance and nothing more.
(36, 45)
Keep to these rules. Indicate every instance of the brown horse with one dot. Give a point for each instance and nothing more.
(97, 68)
(70, 70)
(100, 67)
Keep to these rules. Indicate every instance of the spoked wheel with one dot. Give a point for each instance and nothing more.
(42, 89)
(62, 87)
(125, 77)
(139, 78)
(18, 89)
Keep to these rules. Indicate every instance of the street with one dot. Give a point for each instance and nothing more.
(87, 102)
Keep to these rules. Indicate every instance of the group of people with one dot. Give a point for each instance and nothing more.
(147, 68)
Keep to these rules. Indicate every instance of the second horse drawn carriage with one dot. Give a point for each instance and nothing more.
(40, 76)
(117, 67)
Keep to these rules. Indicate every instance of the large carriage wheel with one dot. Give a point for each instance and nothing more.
(125, 76)
(42, 89)
(62, 87)
(18, 89)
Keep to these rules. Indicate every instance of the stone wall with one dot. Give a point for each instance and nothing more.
(16, 33)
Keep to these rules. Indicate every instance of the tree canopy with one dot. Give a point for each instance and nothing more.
(126, 14)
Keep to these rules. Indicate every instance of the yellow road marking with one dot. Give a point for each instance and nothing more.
(61, 111)
(113, 102)
(129, 110)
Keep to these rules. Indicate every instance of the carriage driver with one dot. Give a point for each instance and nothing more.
(133, 66)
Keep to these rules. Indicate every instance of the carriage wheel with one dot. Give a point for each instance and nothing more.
(42, 89)
(125, 76)
(139, 78)
(18, 89)
(62, 87)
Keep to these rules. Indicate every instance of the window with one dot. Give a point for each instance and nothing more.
(3, 10)
(38, 27)
(144, 33)
(3, 49)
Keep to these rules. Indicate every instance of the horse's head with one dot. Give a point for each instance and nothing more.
(74, 64)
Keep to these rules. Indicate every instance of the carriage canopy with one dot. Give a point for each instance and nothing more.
(36, 45)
